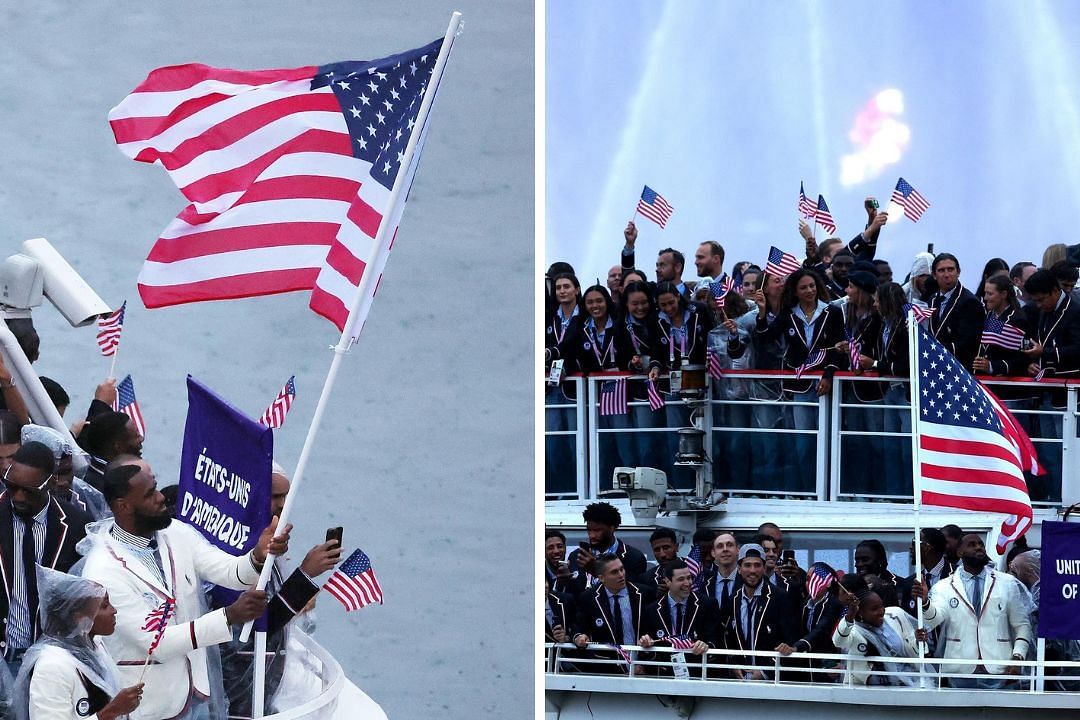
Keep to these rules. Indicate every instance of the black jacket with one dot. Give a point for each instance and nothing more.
(700, 620)
(773, 623)
(959, 324)
(563, 611)
(828, 331)
(65, 526)
(593, 617)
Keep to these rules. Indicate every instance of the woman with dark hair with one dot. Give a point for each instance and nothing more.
(594, 345)
(870, 629)
(999, 299)
(812, 329)
(862, 328)
(558, 398)
(872, 564)
(68, 673)
(891, 353)
(992, 267)
(638, 311)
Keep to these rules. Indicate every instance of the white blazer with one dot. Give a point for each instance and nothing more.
(1001, 629)
(179, 662)
(853, 640)
(56, 691)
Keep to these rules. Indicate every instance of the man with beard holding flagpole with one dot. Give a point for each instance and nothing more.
(144, 559)
(970, 454)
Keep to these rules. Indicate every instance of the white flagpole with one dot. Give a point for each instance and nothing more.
(370, 276)
(916, 472)
(112, 365)
(258, 696)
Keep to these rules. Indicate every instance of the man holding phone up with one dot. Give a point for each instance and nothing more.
(289, 597)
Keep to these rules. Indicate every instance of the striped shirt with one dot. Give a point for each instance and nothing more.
(145, 549)
(20, 625)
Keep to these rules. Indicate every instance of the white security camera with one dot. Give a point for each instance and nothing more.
(21, 285)
(645, 486)
(63, 286)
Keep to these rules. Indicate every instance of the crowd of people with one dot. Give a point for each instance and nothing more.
(749, 594)
(806, 320)
(112, 608)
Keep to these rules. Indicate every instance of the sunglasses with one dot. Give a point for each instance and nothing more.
(39, 488)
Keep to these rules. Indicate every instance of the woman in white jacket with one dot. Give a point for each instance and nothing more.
(68, 673)
(869, 629)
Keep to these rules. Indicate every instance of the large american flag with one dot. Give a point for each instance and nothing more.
(274, 416)
(109, 328)
(998, 332)
(653, 206)
(823, 216)
(126, 403)
(288, 172)
(807, 209)
(972, 453)
(781, 263)
(910, 199)
(613, 397)
(354, 583)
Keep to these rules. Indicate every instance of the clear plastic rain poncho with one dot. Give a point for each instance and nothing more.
(84, 494)
(67, 605)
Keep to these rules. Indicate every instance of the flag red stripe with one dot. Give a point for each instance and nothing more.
(242, 124)
(211, 186)
(366, 218)
(212, 242)
(345, 263)
(969, 476)
(330, 306)
(311, 187)
(976, 504)
(229, 288)
(182, 77)
(344, 596)
(967, 447)
(135, 129)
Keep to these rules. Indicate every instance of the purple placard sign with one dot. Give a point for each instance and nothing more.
(224, 472)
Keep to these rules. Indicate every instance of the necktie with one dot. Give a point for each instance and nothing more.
(678, 618)
(727, 591)
(616, 619)
(29, 557)
(976, 594)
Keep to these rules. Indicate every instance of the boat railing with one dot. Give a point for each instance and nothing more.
(714, 672)
(312, 682)
(854, 443)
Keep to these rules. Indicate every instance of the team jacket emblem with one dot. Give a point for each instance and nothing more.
(954, 603)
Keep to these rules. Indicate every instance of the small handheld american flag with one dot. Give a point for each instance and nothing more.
(818, 579)
(807, 210)
(998, 332)
(813, 361)
(157, 621)
(126, 403)
(274, 416)
(823, 216)
(613, 397)
(354, 583)
(921, 313)
(109, 329)
(716, 371)
(681, 642)
(781, 263)
(653, 206)
(720, 288)
(910, 199)
(656, 400)
(854, 351)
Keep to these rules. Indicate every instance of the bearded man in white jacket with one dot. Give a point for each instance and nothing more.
(144, 559)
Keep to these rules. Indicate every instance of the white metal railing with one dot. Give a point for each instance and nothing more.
(837, 425)
(722, 665)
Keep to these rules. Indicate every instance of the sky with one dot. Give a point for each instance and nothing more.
(724, 108)
(426, 465)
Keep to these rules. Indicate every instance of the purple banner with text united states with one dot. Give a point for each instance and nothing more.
(1059, 596)
(224, 472)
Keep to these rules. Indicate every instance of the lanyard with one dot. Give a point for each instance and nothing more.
(610, 350)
